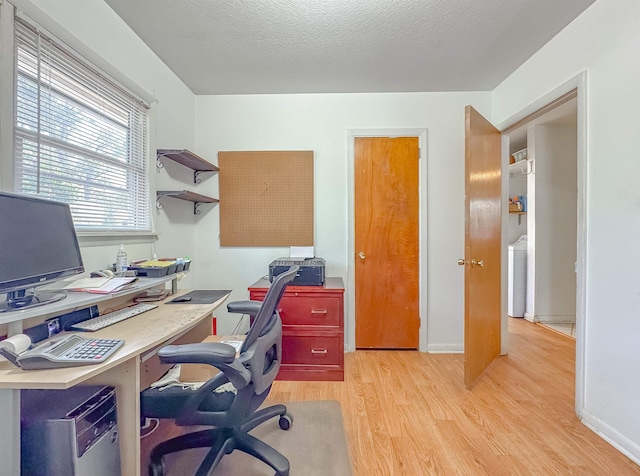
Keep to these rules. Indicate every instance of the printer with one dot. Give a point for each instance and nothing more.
(311, 271)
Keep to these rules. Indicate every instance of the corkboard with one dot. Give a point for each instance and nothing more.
(266, 198)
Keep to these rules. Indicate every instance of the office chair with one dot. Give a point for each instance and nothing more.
(232, 415)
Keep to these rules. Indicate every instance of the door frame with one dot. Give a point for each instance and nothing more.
(350, 321)
(527, 114)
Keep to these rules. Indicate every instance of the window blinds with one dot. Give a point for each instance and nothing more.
(79, 137)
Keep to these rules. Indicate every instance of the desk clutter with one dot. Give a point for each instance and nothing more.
(100, 285)
(156, 268)
(65, 351)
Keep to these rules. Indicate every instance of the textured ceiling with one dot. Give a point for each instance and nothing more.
(313, 46)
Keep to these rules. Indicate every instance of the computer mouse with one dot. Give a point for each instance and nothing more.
(182, 299)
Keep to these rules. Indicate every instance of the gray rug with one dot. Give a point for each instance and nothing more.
(315, 445)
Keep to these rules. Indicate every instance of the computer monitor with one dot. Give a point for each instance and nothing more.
(38, 245)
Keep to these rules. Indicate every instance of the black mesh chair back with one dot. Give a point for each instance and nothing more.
(231, 414)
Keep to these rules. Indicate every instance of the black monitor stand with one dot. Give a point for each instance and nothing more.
(28, 298)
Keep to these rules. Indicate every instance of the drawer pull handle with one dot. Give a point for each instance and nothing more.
(319, 351)
(319, 311)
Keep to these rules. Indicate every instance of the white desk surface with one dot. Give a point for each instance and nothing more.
(140, 333)
(143, 335)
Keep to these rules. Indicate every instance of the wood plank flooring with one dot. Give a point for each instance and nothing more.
(408, 413)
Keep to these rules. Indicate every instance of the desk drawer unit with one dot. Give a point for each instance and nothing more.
(312, 329)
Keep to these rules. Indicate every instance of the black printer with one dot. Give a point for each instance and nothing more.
(311, 271)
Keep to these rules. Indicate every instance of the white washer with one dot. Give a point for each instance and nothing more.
(517, 277)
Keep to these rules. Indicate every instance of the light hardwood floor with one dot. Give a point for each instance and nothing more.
(408, 413)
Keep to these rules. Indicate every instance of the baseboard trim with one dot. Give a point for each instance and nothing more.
(620, 442)
(556, 319)
(550, 319)
(445, 348)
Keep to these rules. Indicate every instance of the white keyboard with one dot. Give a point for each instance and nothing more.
(114, 317)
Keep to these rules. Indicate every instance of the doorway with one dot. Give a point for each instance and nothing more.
(543, 185)
(573, 89)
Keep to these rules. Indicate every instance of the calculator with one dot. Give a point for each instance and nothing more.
(68, 351)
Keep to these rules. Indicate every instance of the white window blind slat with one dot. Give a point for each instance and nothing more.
(79, 137)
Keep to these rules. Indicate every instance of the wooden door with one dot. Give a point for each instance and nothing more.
(386, 242)
(483, 218)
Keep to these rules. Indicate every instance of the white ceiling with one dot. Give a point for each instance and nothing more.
(314, 46)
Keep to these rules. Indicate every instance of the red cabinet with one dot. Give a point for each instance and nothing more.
(312, 329)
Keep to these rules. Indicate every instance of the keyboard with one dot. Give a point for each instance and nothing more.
(114, 317)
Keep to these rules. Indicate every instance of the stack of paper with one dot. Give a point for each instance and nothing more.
(99, 285)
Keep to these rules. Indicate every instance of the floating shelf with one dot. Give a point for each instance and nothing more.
(186, 158)
(187, 195)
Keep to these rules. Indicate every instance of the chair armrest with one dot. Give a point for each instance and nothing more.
(211, 353)
(219, 355)
(244, 307)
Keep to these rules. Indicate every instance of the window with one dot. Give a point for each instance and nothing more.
(78, 136)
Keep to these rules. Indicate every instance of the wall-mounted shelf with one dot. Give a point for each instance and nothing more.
(186, 158)
(187, 195)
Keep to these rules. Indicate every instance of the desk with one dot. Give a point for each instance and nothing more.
(143, 335)
(74, 300)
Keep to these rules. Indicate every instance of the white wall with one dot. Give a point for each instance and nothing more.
(94, 30)
(321, 123)
(555, 218)
(604, 41)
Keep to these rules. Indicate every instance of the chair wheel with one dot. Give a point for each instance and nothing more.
(156, 469)
(286, 421)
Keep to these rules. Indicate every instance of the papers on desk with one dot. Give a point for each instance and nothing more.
(301, 252)
(99, 285)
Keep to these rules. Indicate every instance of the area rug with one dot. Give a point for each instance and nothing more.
(316, 445)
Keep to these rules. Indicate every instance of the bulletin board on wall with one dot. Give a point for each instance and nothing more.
(266, 198)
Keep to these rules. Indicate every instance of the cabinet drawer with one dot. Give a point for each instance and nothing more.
(314, 350)
(310, 311)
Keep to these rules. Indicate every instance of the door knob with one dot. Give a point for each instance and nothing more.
(477, 264)
(362, 255)
(462, 262)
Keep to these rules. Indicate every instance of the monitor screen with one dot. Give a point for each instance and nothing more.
(38, 244)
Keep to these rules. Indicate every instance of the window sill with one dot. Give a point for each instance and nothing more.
(111, 238)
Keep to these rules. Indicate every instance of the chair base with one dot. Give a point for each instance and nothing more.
(224, 441)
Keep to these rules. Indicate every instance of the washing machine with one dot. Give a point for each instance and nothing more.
(517, 277)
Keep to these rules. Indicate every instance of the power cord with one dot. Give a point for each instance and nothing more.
(236, 329)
